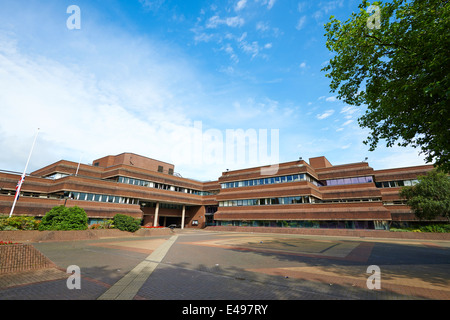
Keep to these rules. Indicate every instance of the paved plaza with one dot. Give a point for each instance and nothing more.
(207, 265)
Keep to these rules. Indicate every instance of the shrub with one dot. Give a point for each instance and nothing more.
(126, 223)
(18, 223)
(436, 228)
(63, 218)
(23, 223)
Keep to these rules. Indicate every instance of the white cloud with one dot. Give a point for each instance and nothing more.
(268, 3)
(216, 21)
(301, 23)
(346, 123)
(152, 4)
(331, 99)
(240, 5)
(349, 110)
(325, 115)
(262, 26)
(87, 107)
(302, 65)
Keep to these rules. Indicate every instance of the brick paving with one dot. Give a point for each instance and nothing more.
(203, 265)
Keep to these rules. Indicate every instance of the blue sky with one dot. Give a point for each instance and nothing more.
(169, 79)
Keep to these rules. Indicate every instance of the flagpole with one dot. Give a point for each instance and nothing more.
(19, 185)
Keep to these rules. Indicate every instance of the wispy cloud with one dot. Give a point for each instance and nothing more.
(152, 5)
(325, 115)
(301, 23)
(216, 21)
(240, 5)
(267, 3)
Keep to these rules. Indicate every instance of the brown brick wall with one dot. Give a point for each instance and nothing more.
(21, 257)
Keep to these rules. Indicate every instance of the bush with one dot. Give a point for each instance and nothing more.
(436, 228)
(18, 223)
(63, 218)
(23, 223)
(126, 223)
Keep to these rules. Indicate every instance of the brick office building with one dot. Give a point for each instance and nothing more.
(298, 194)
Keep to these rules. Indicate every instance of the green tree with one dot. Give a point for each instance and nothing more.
(430, 198)
(63, 218)
(399, 70)
(126, 223)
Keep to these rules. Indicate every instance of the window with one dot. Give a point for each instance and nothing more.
(160, 168)
(171, 171)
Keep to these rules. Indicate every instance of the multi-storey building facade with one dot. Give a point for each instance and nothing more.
(297, 194)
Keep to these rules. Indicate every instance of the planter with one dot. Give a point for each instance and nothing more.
(22, 257)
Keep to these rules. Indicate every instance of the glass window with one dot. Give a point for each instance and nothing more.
(239, 202)
(354, 180)
(362, 179)
(400, 183)
(277, 179)
(97, 197)
(82, 196)
(250, 182)
(275, 201)
(262, 202)
(90, 197)
(289, 178)
(302, 176)
(386, 184)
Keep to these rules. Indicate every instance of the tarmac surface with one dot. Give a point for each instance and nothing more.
(195, 265)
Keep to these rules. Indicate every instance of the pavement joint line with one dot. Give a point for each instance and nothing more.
(128, 286)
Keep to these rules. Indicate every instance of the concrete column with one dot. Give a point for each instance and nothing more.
(155, 222)
(183, 213)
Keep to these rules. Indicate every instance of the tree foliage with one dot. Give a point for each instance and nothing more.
(400, 71)
(126, 223)
(63, 218)
(430, 198)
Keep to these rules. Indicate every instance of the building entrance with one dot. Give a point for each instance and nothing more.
(167, 221)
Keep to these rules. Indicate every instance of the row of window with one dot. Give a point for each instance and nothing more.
(338, 182)
(101, 198)
(269, 201)
(145, 183)
(162, 205)
(399, 183)
(377, 224)
(271, 180)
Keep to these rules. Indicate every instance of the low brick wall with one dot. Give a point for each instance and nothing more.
(21, 257)
(73, 235)
(337, 232)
